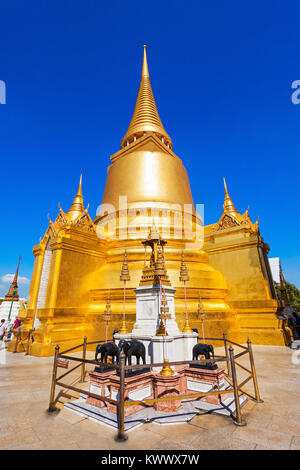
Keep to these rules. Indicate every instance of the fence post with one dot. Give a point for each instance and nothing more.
(83, 357)
(17, 341)
(238, 420)
(53, 383)
(28, 341)
(257, 396)
(227, 354)
(121, 436)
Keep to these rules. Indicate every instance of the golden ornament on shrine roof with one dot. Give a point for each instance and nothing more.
(160, 269)
(187, 328)
(201, 311)
(107, 315)
(161, 329)
(125, 276)
(167, 369)
(184, 274)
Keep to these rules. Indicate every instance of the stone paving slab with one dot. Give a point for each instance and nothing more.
(25, 423)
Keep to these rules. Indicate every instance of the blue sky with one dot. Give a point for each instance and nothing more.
(221, 74)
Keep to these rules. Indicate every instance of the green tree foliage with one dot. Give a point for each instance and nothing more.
(293, 295)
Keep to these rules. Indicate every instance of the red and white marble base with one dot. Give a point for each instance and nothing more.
(186, 380)
(165, 387)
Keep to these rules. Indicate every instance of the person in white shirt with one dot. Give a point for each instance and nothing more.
(2, 327)
(7, 329)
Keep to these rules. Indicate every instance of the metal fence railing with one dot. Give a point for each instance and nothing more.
(230, 358)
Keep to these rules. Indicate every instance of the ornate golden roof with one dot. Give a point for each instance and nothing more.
(145, 117)
(77, 206)
(231, 217)
(77, 217)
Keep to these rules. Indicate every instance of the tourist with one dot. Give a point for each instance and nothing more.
(7, 330)
(17, 323)
(2, 328)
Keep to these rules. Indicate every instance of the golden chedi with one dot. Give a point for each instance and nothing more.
(78, 260)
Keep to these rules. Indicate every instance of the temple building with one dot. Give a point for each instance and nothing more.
(11, 304)
(79, 260)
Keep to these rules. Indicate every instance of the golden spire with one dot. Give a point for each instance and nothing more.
(184, 274)
(107, 314)
(145, 117)
(125, 276)
(200, 312)
(228, 204)
(13, 290)
(77, 206)
(164, 315)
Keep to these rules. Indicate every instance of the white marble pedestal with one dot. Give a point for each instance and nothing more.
(179, 345)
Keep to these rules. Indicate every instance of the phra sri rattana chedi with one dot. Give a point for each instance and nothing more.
(78, 261)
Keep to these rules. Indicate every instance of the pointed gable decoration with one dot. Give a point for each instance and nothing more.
(232, 218)
(77, 217)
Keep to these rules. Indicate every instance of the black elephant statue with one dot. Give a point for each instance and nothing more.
(105, 350)
(206, 349)
(132, 348)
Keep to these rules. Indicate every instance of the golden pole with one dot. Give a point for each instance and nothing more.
(83, 363)
(255, 383)
(125, 276)
(53, 383)
(107, 315)
(164, 315)
(121, 436)
(201, 315)
(238, 419)
(184, 276)
(227, 354)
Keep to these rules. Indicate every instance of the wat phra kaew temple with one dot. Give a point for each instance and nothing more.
(78, 261)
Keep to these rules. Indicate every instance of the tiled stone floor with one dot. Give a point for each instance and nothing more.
(25, 424)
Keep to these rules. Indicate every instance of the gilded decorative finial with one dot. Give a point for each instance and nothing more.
(184, 277)
(79, 192)
(228, 205)
(163, 315)
(167, 369)
(225, 185)
(153, 232)
(184, 274)
(145, 119)
(145, 70)
(200, 312)
(125, 276)
(187, 328)
(107, 314)
(232, 218)
(77, 207)
(159, 269)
